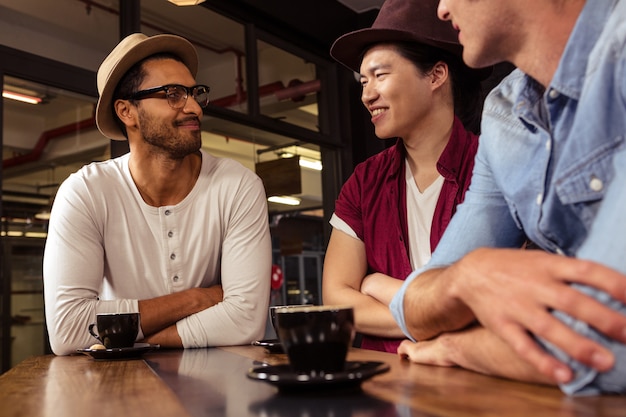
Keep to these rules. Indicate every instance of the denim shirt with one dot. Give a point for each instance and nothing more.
(551, 167)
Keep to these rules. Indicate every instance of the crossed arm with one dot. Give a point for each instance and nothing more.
(474, 348)
(159, 315)
(511, 293)
(345, 272)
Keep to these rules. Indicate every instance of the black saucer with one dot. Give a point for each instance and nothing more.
(272, 345)
(119, 353)
(287, 380)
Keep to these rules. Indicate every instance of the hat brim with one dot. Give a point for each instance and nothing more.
(176, 45)
(349, 48)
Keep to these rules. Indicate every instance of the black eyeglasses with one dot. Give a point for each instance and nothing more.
(176, 94)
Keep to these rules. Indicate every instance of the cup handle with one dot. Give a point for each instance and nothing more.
(92, 332)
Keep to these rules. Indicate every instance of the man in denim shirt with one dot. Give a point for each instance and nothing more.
(550, 168)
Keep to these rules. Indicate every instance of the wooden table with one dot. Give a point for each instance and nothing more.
(213, 382)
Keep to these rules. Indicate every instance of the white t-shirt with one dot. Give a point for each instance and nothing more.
(420, 211)
(420, 208)
(106, 249)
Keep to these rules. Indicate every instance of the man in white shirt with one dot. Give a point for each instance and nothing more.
(166, 230)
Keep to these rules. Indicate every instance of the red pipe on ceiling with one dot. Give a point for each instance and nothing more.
(296, 90)
(46, 137)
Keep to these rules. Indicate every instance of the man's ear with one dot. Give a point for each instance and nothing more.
(439, 74)
(125, 112)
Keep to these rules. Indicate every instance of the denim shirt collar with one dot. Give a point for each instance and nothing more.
(570, 74)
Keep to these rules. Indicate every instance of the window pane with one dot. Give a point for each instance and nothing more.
(251, 147)
(43, 144)
(48, 133)
(220, 43)
(288, 87)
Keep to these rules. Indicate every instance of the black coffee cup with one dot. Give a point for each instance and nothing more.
(273, 313)
(316, 338)
(116, 330)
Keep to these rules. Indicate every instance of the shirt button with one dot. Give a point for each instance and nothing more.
(175, 278)
(596, 184)
(167, 212)
(539, 198)
(553, 94)
(170, 234)
(173, 256)
(548, 145)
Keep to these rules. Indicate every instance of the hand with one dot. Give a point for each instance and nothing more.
(511, 293)
(381, 287)
(476, 349)
(428, 352)
(208, 297)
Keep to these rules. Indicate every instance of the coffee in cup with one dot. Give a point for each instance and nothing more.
(116, 330)
(315, 338)
(273, 313)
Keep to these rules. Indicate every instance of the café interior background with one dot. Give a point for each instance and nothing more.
(279, 105)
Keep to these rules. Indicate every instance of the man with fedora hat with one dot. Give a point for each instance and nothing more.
(550, 168)
(166, 230)
(392, 211)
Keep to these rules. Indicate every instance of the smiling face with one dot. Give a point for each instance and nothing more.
(489, 30)
(397, 95)
(174, 132)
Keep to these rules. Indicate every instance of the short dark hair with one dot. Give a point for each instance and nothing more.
(130, 82)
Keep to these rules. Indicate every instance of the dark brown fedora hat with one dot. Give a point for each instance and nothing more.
(398, 20)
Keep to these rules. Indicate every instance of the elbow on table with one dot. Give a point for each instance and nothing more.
(249, 337)
(61, 347)
(65, 340)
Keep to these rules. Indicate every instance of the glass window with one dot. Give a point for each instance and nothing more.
(253, 148)
(45, 140)
(220, 43)
(69, 31)
(48, 133)
(288, 87)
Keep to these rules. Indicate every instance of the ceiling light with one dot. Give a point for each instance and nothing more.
(310, 164)
(21, 97)
(304, 162)
(41, 235)
(290, 201)
(43, 215)
(186, 2)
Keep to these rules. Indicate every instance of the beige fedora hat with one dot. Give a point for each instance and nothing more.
(127, 53)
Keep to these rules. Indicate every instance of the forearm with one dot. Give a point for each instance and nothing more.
(381, 287)
(480, 350)
(160, 313)
(167, 338)
(430, 308)
(370, 316)
(345, 269)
